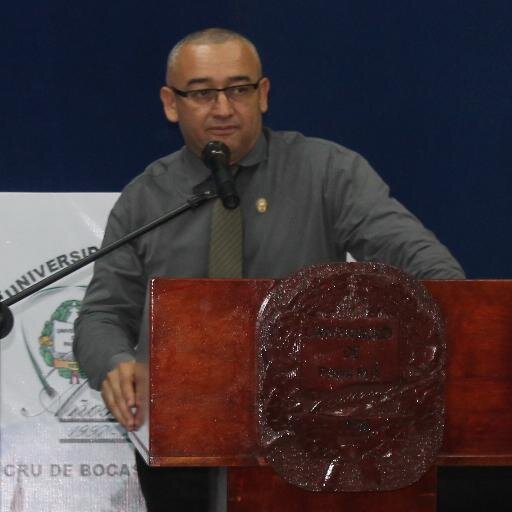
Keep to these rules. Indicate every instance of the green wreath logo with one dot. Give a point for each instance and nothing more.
(58, 357)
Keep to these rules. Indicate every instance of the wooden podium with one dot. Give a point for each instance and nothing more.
(200, 393)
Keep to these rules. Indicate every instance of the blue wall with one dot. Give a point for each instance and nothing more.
(422, 89)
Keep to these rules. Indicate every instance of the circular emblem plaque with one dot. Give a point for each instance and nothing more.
(351, 367)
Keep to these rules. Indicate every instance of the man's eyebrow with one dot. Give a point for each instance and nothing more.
(194, 81)
(239, 78)
(209, 81)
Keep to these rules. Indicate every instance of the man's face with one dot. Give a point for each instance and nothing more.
(237, 123)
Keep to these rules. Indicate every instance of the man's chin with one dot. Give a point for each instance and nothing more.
(231, 140)
(238, 147)
(223, 132)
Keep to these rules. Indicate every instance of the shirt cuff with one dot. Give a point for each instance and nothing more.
(123, 357)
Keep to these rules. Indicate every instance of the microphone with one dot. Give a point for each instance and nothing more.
(215, 156)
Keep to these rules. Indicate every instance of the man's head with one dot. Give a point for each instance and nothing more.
(215, 59)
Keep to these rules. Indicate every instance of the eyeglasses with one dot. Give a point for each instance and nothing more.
(206, 96)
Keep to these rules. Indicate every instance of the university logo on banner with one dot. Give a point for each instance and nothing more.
(47, 336)
(61, 450)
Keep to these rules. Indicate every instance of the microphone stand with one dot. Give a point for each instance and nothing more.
(6, 317)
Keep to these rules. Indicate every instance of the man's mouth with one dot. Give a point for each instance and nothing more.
(222, 130)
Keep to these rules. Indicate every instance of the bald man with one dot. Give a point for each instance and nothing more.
(320, 200)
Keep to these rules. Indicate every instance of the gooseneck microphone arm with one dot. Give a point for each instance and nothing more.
(215, 156)
(6, 318)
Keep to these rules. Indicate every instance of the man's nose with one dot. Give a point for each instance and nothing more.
(222, 106)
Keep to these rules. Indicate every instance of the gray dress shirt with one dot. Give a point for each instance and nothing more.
(322, 200)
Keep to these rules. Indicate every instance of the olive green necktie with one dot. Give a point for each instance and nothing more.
(225, 260)
(226, 240)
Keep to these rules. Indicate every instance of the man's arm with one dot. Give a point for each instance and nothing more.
(376, 227)
(107, 328)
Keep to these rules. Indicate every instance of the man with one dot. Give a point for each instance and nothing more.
(303, 201)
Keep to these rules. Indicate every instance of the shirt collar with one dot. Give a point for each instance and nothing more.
(257, 155)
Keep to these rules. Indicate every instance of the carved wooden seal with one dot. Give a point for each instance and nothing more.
(351, 369)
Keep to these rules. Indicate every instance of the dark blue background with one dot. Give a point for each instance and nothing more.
(422, 89)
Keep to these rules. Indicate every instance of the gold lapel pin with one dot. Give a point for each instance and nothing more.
(261, 205)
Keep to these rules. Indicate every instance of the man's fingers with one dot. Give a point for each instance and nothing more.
(127, 382)
(118, 394)
(108, 398)
(141, 383)
(116, 404)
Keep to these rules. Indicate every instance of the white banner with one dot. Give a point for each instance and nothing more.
(60, 450)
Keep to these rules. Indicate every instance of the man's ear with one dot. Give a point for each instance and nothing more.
(263, 90)
(168, 99)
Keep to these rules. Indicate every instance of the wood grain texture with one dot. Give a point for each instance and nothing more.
(202, 390)
(202, 369)
(478, 325)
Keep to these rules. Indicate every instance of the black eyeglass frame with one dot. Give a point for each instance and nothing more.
(185, 94)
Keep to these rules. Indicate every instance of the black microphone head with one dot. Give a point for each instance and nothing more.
(215, 152)
(216, 156)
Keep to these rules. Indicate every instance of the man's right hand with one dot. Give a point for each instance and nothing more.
(119, 394)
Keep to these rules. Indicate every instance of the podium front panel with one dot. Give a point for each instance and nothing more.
(221, 429)
(202, 367)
